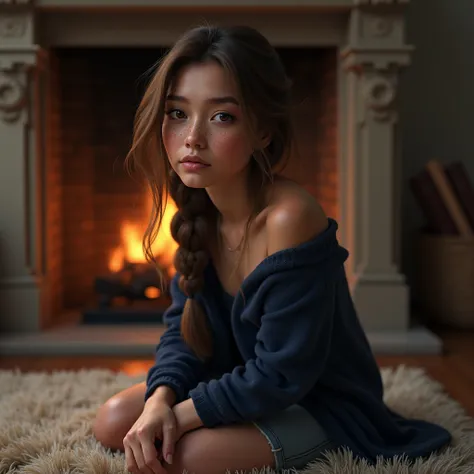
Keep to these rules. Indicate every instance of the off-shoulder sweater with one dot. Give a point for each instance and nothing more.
(290, 336)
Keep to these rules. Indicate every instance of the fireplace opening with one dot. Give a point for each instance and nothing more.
(97, 214)
(132, 291)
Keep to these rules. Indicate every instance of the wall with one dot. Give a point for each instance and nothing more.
(437, 95)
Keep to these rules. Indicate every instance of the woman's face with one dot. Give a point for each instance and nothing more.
(204, 132)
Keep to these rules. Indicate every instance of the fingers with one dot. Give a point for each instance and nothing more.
(169, 439)
(142, 465)
(150, 456)
(130, 462)
(137, 462)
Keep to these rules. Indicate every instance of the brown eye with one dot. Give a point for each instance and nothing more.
(224, 117)
(176, 114)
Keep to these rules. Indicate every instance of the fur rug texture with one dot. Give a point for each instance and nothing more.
(46, 423)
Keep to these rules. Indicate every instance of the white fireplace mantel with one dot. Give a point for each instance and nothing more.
(369, 35)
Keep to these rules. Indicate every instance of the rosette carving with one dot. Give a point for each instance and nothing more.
(13, 92)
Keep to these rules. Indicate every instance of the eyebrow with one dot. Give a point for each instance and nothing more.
(213, 100)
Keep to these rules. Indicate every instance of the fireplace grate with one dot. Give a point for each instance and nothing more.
(132, 295)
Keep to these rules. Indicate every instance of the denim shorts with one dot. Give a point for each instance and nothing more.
(295, 438)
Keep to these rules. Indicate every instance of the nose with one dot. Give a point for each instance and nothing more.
(196, 136)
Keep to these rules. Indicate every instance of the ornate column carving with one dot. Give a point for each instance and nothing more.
(21, 256)
(371, 63)
(13, 91)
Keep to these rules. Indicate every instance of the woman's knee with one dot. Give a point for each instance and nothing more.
(191, 453)
(117, 415)
(108, 425)
(209, 451)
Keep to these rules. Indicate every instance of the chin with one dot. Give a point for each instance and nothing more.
(194, 180)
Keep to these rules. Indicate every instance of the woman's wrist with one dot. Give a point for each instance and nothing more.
(187, 418)
(164, 394)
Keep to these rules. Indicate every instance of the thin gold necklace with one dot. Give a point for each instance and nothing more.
(223, 239)
(230, 249)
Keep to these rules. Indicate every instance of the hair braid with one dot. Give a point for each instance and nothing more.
(189, 227)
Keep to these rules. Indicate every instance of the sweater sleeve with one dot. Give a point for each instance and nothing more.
(290, 353)
(176, 365)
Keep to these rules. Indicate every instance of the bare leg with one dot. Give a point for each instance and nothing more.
(206, 451)
(216, 450)
(116, 416)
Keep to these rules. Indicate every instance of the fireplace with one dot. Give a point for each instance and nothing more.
(98, 213)
(65, 200)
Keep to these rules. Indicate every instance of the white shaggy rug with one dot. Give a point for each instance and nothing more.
(45, 424)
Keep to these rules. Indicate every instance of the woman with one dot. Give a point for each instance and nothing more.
(264, 361)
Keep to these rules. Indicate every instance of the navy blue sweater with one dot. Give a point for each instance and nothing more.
(292, 336)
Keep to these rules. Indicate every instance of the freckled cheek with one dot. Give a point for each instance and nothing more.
(230, 147)
(172, 139)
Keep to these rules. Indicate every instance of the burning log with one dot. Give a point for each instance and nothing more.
(132, 295)
(135, 281)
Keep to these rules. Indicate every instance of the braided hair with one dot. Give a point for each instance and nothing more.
(189, 228)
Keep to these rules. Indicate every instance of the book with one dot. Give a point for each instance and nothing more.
(436, 171)
(462, 186)
(433, 208)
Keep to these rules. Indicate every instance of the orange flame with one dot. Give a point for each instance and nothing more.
(130, 250)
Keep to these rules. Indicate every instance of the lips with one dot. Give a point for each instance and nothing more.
(194, 159)
(194, 164)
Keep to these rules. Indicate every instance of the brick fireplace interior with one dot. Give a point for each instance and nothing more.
(93, 95)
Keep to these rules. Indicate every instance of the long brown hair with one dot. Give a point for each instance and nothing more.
(264, 94)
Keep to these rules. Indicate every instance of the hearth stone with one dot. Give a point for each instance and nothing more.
(136, 313)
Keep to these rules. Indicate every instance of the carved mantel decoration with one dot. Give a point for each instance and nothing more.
(379, 93)
(12, 25)
(17, 57)
(13, 91)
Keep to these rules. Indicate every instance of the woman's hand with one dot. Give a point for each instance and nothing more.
(157, 421)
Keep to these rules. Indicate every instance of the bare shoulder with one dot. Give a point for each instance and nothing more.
(293, 217)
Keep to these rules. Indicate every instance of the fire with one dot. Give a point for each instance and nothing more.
(130, 250)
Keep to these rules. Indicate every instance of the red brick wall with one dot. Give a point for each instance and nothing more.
(326, 182)
(314, 162)
(97, 94)
(54, 192)
(78, 160)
